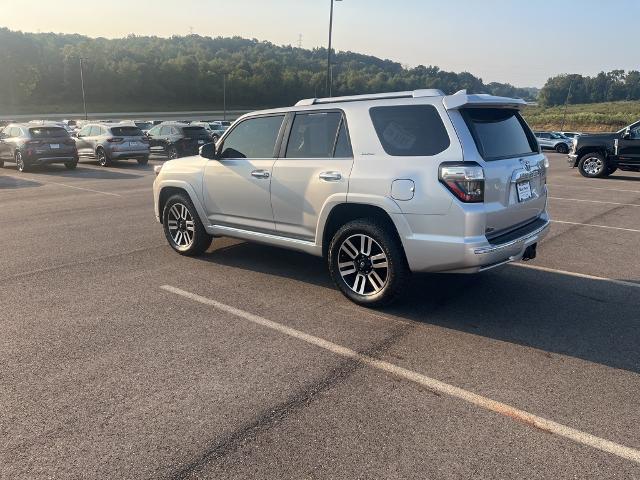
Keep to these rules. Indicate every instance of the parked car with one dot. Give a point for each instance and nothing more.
(109, 142)
(29, 145)
(600, 155)
(553, 141)
(143, 125)
(176, 140)
(380, 185)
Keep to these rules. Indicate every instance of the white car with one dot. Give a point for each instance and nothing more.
(380, 185)
(554, 141)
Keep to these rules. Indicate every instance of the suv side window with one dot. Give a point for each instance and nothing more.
(410, 130)
(313, 135)
(84, 131)
(95, 131)
(253, 138)
(634, 133)
(155, 131)
(343, 144)
(16, 132)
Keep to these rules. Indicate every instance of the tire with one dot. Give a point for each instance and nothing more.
(611, 170)
(71, 165)
(143, 161)
(367, 263)
(1, 163)
(562, 148)
(179, 219)
(592, 165)
(172, 152)
(21, 165)
(103, 158)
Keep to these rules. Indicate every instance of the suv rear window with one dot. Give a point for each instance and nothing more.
(194, 130)
(48, 132)
(410, 130)
(499, 132)
(126, 131)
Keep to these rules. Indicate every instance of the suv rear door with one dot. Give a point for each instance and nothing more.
(515, 176)
(313, 168)
(236, 187)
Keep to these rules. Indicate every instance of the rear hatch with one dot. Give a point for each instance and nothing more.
(129, 139)
(51, 142)
(195, 137)
(515, 175)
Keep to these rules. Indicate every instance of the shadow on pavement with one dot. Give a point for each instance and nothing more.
(7, 182)
(588, 319)
(106, 173)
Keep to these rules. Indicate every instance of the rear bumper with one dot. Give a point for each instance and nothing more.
(426, 253)
(50, 159)
(132, 154)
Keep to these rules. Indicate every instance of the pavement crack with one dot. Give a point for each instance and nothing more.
(272, 416)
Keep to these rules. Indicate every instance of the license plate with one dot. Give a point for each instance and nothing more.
(54, 145)
(524, 191)
(134, 144)
(200, 142)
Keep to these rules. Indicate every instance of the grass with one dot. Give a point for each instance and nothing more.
(594, 117)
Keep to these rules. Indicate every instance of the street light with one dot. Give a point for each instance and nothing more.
(329, 79)
(84, 101)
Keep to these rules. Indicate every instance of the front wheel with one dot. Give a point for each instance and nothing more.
(172, 152)
(367, 263)
(182, 227)
(20, 163)
(592, 165)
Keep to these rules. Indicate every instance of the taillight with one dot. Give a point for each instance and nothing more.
(33, 142)
(144, 139)
(115, 140)
(464, 179)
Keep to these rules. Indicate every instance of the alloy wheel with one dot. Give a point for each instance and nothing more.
(19, 162)
(102, 158)
(363, 264)
(181, 226)
(593, 165)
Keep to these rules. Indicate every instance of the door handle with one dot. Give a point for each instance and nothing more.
(260, 174)
(330, 176)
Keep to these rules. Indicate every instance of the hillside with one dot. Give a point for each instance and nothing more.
(592, 117)
(40, 72)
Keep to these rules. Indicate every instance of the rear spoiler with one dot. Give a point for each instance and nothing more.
(463, 100)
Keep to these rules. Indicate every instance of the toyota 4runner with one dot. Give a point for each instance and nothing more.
(380, 185)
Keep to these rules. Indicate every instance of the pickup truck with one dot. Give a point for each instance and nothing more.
(599, 155)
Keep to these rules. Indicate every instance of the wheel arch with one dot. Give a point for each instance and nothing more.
(590, 149)
(172, 188)
(346, 212)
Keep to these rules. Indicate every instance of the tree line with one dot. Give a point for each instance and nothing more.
(43, 69)
(610, 86)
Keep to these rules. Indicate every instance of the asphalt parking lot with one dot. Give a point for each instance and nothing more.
(121, 359)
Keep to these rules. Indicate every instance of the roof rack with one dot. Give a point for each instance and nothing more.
(429, 92)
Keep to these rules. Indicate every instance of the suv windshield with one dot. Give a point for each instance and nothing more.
(126, 131)
(48, 132)
(499, 132)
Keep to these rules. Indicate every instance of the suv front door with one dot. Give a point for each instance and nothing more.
(629, 148)
(237, 185)
(313, 169)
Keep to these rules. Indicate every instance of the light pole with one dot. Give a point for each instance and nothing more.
(224, 96)
(84, 101)
(329, 79)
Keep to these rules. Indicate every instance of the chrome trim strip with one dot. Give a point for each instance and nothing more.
(266, 236)
(495, 248)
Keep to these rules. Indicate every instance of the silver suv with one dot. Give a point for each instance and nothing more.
(380, 185)
(107, 143)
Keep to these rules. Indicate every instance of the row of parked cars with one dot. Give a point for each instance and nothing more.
(41, 142)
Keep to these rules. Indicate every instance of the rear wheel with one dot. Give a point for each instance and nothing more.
(20, 163)
(103, 159)
(592, 165)
(1, 163)
(367, 263)
(143, 161)
(71, 165)
(172, 152)
(562, 148)
(182, 227)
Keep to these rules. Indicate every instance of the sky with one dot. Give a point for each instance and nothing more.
(521, 42)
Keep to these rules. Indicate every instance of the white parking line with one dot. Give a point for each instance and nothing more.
(579, 275)
(522, 416)
(597, 226)
(595, 201)
(46, 182)
(592, 188)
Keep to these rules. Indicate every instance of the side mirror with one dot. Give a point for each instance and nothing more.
(208, 150)
(78, 135)
(627, 134)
